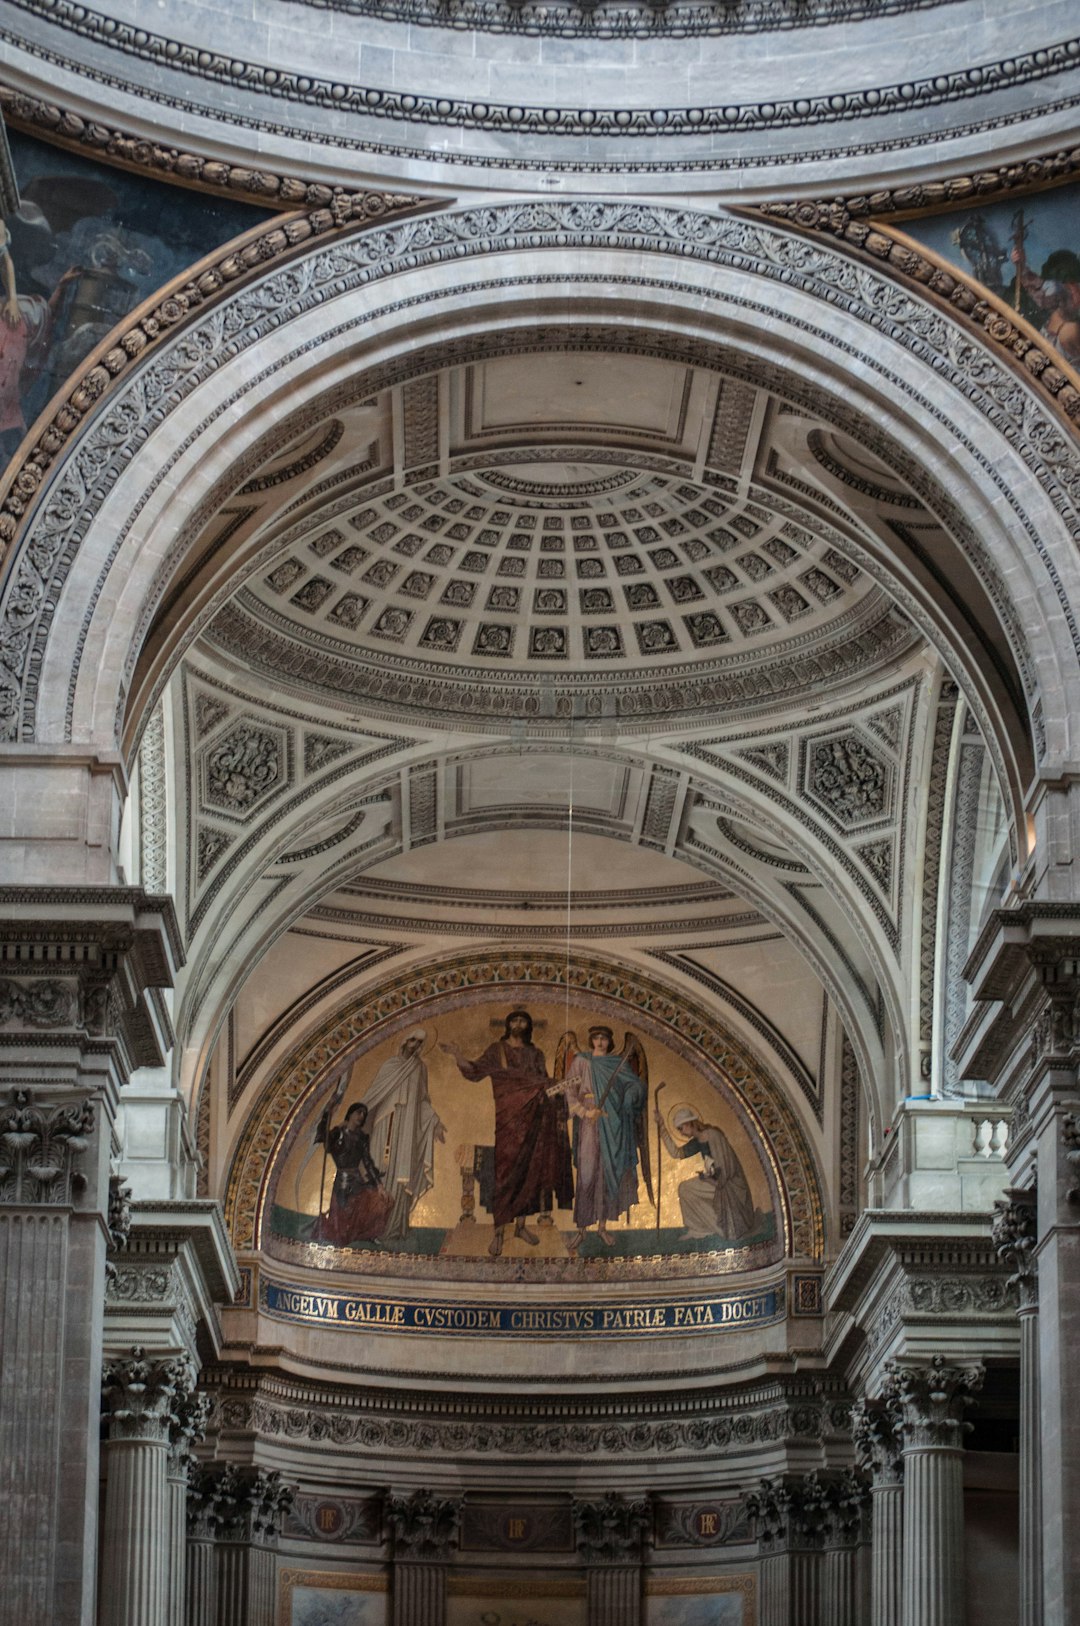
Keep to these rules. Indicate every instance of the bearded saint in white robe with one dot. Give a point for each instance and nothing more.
(403, 1127)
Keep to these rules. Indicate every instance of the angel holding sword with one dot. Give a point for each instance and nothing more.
(606, 1096)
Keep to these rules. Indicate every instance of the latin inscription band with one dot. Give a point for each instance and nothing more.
(723, 1312)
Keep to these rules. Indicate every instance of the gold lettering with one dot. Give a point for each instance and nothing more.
(515, 1529)
(707, 1523)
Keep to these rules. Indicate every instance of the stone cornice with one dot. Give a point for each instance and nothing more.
(881, 1232)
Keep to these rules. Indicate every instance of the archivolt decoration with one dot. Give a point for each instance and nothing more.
(403, 1002)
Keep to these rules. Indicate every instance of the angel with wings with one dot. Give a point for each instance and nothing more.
(606, 1096)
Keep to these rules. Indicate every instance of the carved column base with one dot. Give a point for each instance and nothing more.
(614, 1596)
(419, 1594)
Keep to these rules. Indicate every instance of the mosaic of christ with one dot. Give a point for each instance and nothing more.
(523, 1131)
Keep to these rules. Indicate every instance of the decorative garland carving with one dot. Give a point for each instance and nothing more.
(40, 1150)
(675, 1017)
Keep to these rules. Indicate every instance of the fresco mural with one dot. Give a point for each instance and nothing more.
(81, 245)
(515, 1603)
(725, 1600)
(1026, 250)
(533, 1131)
(312, 1599)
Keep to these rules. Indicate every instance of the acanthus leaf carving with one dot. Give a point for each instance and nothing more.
(40, 1149)
(423, 1525)
(612, 1530)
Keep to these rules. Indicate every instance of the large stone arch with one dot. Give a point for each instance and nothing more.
(989, 452)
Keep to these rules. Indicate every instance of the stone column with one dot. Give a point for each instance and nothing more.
(611, 1540)
(841, 1602)
(75, 1018)
(200, 1599)
(789, 1518)
(140, 1396)
(249, 1506)
(423, 1532)
(876, 1430)
(187, 1427)
(933, 1399)
(1014, 1239)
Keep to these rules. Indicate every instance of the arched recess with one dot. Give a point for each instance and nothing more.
(243, 918)
(102, 542)
(403, 1000)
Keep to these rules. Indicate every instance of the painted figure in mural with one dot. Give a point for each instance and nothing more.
(606, 1096)
(359, 1205)
(1055, 290)
(717, 1201)
(532, 1153)
(404, 1129)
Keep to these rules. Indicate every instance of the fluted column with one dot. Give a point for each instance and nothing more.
(187, 1426)
(877, 1432)
(249, 1504)
(841, 1604)
(201, 1590)
(611, 1539)
(934, 1397)
(1014, 1239)
(139, 1396)
(792, 1519)
(423, 1530)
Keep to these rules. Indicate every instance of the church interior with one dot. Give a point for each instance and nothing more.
(539, 688)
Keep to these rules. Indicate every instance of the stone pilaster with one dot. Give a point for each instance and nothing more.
(610, 1539)
(79, 1007)
(249, 1507)
(141, 1399)
(1014, 1238)
(423, 1532)
(933, 1397)
(876, 1430)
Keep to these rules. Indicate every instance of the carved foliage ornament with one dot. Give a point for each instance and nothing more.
(40, 1149)
(611, 1531)
(237, 1504)
(37, 1003)
(1070, 1137)
(146, 1399)
(1014, 1233)
(876, 1429)
(423, 1526)
(933, 1398)
(808, 1510)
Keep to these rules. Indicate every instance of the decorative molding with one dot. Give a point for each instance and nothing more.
(941, 750)
(41, 1150)
(701, 1524)
(571, 19)
(153, 805)
(115, 145)
(334, 1519)
(733, 119)
(877, 1434)
(245, 1505)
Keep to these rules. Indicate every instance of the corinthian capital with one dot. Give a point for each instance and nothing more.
(423, 1525)
(611, 1531)
(141, 1397)
(1014, 1241)
(877, 1430)
(934, 1396)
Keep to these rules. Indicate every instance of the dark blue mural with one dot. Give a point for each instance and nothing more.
(81, 245)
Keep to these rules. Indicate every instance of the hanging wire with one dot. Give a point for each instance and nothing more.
(569, 879)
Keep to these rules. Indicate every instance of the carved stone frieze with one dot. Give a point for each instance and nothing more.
(933, 1398)
(612, 1530)
(143, 1398)
(333, 1518)
(41, 1148)
(945, 1296)
(39, 1002)
(423, 1526)
(701, 1524)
